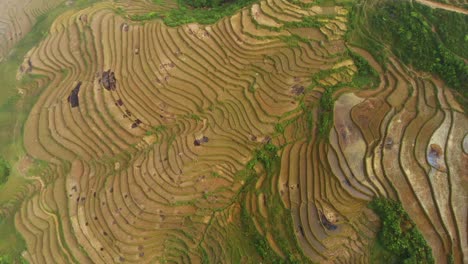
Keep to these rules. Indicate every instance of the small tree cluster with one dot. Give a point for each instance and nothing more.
(399, 234)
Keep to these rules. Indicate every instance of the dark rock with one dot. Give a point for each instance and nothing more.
(108, 80)
(297, 89)
(325, 222)
(301, 230)
(73, 97)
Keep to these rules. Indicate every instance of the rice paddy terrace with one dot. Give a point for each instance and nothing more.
(17, 18)
(249, 139)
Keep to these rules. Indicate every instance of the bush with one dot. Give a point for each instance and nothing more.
(366, 76)
(267, 156)
(4, 170)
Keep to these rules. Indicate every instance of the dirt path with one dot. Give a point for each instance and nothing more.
(443, 6)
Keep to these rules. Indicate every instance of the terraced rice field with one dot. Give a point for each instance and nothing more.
(447, 4)
(17, 19)
(147, 130)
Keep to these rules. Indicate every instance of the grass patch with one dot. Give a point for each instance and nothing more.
(156, 130)
(195, 117)
(11, 243)
(399, 235)
(293, 40)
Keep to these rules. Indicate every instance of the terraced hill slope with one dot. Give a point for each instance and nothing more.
(257, 138)
(17, 18)
(447, 4)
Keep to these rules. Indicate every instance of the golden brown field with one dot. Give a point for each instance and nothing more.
(147, 131)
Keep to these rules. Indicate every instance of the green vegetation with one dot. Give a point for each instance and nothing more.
(195, 117)
(320, 2)
(267, 156)
(156, 130)
(307, 22)
(325, 119)
(308, 113)
(252, 86)
(185, 14)
(199, 11)
(4, 170)
(260, 243)
(366, 76)
(293, 40)
(380, 255)
(279, 128)
(399, 235)
(11, 243)
(315, 21)
(451, 28)
(450, 259)
(38, 167)
(119, 11)
(7, 259)
(147, 16)
(278, 215)
(206, 3)
(408, 29)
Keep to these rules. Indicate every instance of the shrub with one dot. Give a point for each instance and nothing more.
(5, 170)
(366, 76)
